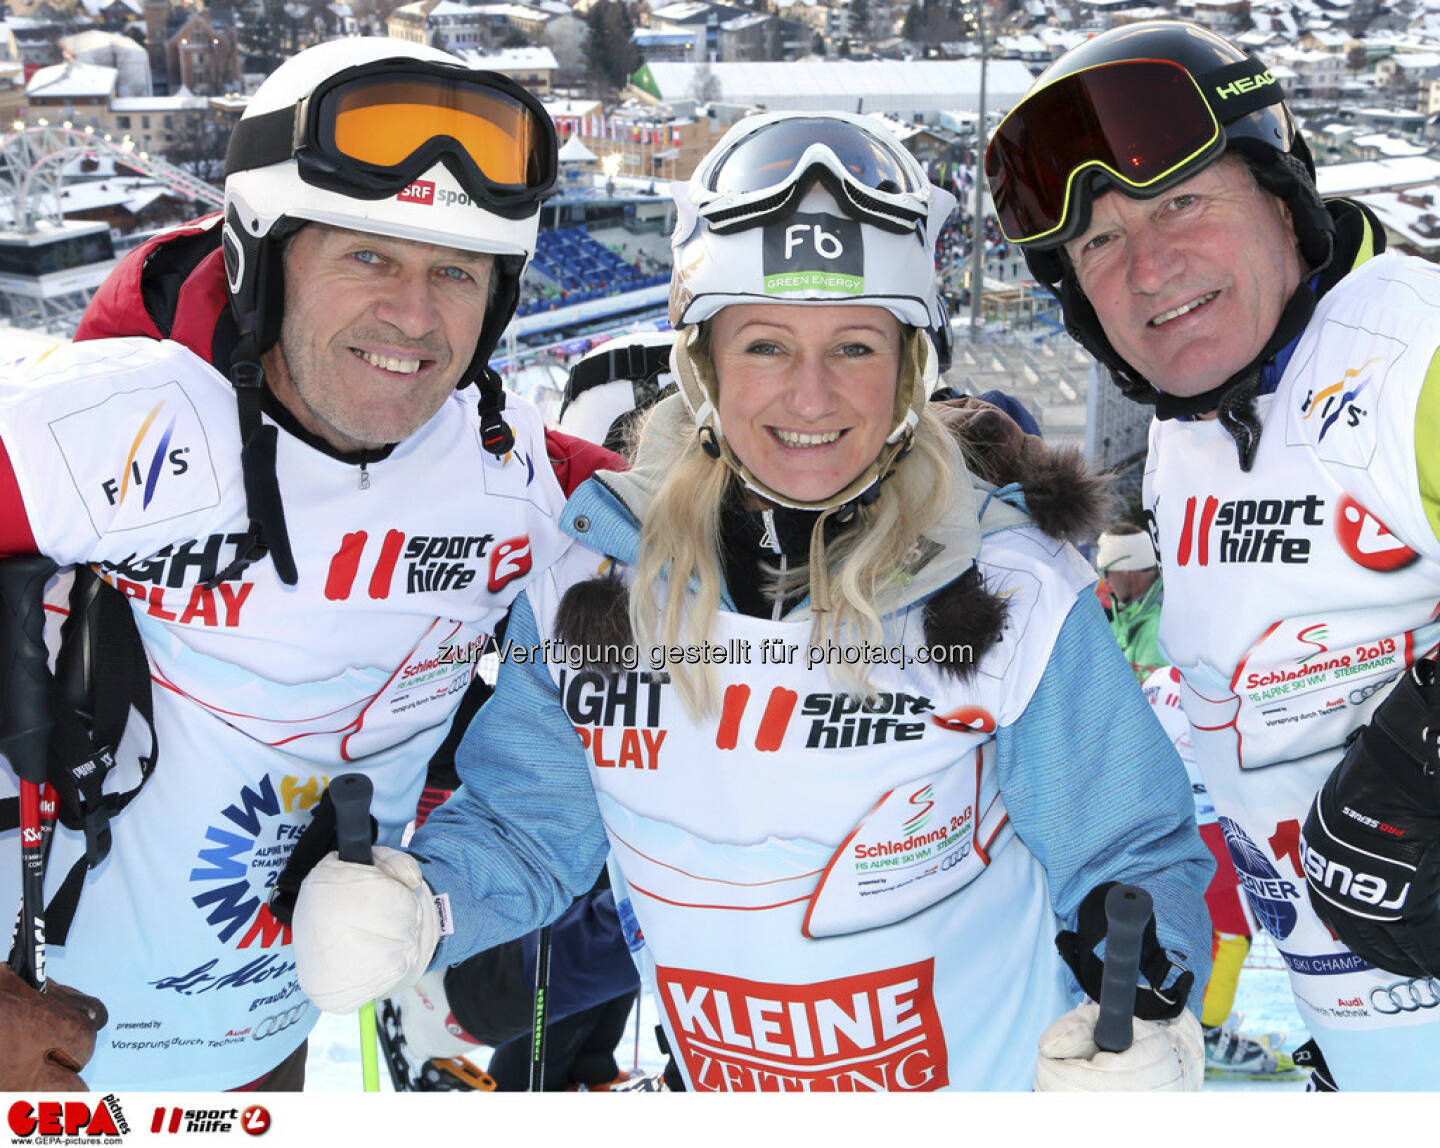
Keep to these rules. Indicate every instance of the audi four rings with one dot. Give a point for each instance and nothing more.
(1406, 996)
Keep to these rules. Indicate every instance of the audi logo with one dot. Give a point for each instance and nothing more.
(1365, 692)
(1406, 996)
(957, 854)
(280, 1021)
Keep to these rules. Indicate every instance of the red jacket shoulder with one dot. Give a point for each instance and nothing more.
(575, 460)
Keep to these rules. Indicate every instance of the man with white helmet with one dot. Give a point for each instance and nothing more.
(818, 851)
(318, 502)
(1126, 561)
(1159, 184)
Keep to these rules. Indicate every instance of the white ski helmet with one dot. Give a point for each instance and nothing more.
(388, 138)
(610, 384)
(808, 208)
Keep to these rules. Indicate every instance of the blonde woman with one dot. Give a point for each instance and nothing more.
(857, 735)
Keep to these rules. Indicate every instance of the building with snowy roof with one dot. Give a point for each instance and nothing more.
(659, 46)
(1381, 175)
(129, 59)
(532, 67)
(71, 89)
(907, 89)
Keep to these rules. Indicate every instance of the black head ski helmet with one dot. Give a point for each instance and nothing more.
(1140, 109)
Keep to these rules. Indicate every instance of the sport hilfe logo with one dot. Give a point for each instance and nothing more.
(1247, 530)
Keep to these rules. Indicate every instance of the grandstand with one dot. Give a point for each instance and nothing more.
(576, 268)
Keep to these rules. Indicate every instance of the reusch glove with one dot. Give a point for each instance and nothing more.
(1165, 1056)
(1371, 844)
(48, 1037)
(363, 931)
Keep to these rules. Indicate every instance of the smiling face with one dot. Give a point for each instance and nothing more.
(806, 393)
(376, 332)
(1190, 285)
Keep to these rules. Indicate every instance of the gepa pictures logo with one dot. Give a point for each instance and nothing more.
(99, 1120)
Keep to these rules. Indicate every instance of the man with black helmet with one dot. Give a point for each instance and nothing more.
(1292, 488)
(316, 520)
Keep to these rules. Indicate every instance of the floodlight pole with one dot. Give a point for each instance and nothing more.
(977, 229)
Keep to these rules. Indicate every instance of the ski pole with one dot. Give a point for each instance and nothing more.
(542, 990)
(635, 1063)
(1127, 912)
(351, 793)
(25, 725)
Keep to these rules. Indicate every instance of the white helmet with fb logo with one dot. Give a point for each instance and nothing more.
(808, 208)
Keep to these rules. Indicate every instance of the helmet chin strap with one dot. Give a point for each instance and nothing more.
(918, 374)
(1234, 399)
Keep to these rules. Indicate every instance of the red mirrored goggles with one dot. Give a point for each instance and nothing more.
(1140, 125)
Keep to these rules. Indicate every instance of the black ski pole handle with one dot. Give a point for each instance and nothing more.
(1127, 912)
(25, 685)
(25, 725)
(351, 793)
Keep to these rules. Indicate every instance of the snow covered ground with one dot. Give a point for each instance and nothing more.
(1263, 996)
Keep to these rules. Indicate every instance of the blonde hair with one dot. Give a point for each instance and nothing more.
(680, 547)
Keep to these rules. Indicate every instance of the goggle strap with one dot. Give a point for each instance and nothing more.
(261, 141)
(1238, 89)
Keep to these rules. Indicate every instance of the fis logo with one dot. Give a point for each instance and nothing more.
(1337, 401)
(1245, 530)
(243, 859)
(132, 476)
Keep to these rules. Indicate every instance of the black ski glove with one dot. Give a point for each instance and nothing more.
(1372, 838)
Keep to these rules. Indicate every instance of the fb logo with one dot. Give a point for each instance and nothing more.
(813, 252)
(826, 244)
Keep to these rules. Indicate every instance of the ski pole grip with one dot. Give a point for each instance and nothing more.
(1127, 912)
(351, 793)
(24, 687)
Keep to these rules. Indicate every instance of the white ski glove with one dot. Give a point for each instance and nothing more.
(363, 931)
(1166, 1056)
